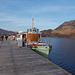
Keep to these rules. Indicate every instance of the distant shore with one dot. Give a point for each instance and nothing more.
(61, 37)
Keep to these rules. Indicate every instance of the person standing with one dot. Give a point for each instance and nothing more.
(2, 37)
(6, 37)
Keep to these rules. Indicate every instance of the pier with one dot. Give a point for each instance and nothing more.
(23, 61)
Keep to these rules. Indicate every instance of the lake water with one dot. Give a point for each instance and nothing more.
(63, 53)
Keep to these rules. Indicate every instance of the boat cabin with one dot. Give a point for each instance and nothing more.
(33, 34)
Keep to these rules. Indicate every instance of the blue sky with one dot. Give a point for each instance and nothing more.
(16, 15)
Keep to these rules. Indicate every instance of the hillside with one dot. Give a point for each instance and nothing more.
(65, 30)
(46, 33)
(2, 31)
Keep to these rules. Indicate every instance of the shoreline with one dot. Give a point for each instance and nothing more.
(60, 37)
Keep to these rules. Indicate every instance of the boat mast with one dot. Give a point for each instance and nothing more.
(32, 22)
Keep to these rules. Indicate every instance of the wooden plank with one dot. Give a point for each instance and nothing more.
(23, 61)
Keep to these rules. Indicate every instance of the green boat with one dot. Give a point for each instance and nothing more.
(42, 50)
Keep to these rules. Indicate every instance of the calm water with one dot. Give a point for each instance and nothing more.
(63, 53)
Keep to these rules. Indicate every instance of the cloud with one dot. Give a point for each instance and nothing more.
(36, 10)
(48, 8)
(16, 20)
(23, 17)
(41, 23)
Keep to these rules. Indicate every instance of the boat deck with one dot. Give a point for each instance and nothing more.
(23, 61)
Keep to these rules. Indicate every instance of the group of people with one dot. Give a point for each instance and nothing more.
(5, 37)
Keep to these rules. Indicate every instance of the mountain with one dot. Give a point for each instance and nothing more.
(65, 30)
(2, 31)
(46, 33)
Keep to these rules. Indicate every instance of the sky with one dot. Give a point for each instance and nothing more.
(16, 15)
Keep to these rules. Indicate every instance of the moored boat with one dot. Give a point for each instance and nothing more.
(32, 39)
(44, 50)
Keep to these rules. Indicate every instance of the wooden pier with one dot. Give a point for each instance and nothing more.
(23, 61)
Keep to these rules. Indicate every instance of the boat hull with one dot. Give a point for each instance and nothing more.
(42, 50)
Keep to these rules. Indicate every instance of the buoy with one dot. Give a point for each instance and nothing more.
(40, 40)
(28, 40)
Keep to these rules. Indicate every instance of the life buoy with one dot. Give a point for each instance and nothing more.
(28, 40)
(40, 40)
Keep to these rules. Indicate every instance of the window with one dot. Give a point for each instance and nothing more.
(24, 36)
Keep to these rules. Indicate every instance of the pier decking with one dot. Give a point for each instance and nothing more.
(23, 61)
